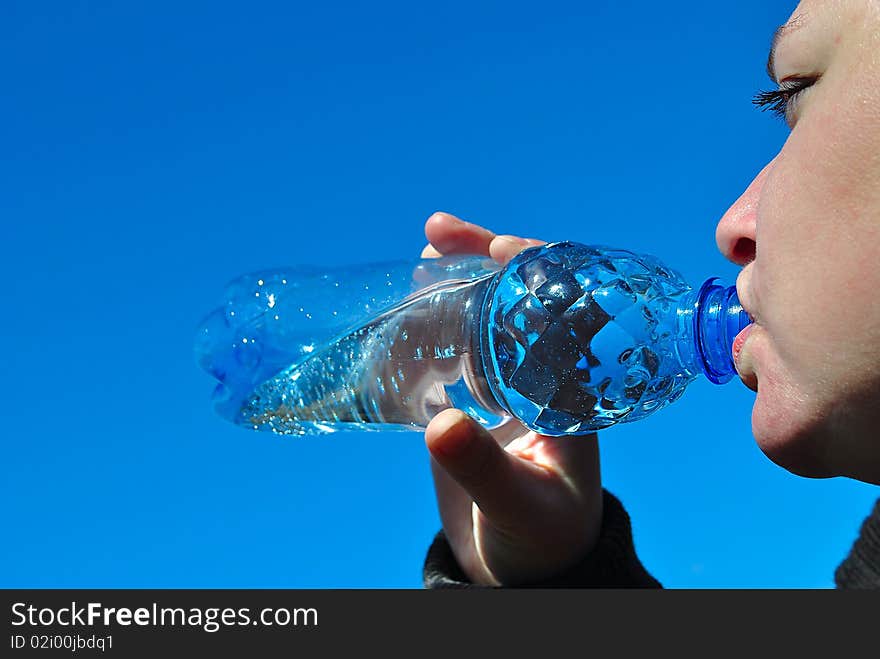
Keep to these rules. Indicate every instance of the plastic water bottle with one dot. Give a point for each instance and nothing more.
(566, 338)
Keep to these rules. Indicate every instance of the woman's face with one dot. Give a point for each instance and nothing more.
(807, 231)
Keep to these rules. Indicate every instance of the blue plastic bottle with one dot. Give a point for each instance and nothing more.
(566, 338)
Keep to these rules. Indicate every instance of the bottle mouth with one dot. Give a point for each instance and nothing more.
(718, 318)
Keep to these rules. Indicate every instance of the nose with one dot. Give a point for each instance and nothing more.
(735, 233)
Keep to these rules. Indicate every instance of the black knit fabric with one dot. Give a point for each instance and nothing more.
(612, 563)
(861, 568)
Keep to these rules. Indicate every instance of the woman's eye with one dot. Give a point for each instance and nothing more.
(780, 101)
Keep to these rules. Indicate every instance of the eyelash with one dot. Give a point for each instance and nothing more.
(779, 100)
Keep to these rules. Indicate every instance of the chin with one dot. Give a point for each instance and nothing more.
(810, 432)
(792, 435)
(817, 443)
(800, 451)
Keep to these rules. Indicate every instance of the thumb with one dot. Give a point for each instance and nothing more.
(500, 483)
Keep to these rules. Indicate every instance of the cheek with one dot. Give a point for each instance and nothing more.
(815, 273)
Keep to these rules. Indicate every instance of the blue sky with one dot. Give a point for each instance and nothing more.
(152, 151)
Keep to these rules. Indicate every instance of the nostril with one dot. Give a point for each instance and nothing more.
(743, 251)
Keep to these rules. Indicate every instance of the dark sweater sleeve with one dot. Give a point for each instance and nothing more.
(861, 568)
(612, 563)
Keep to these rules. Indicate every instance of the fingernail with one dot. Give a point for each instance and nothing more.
(513, 240)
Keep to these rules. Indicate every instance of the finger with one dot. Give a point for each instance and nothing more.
(502, 485)
(575, 459)
(454, 506)
(504, 248)
(450, 235)
(509, 431)
(455, 503)
(430, 252)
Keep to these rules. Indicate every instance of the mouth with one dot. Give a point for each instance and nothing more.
(741, 362)
(744, 307)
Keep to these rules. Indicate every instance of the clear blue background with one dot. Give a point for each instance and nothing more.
(151, 151)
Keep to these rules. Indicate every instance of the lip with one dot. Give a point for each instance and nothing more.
(743, 366)
(739, 341)
(742, 281)
(746, 374)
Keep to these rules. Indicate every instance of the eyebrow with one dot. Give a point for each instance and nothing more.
(792, 25)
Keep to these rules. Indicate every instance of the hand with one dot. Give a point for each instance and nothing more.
(516, 506)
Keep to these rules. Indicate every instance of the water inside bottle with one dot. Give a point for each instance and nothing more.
(385, 348)
(394, 373)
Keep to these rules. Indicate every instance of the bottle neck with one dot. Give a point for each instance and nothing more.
(717, 318)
